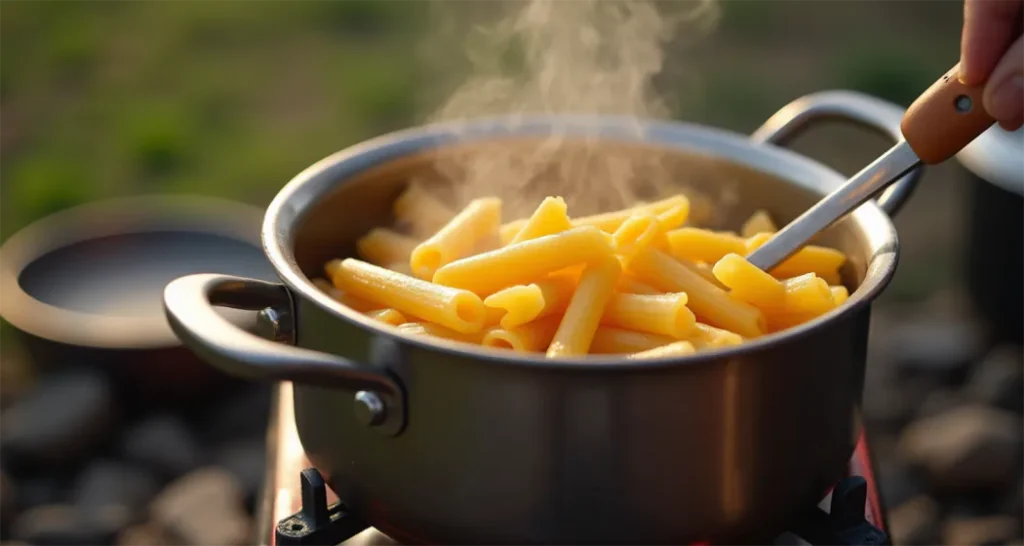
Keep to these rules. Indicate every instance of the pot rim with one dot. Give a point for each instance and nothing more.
(298, 196)
(138, 214)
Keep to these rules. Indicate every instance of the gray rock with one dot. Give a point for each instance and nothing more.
(39, 490)
(247, 462)
(887, 409)
(57, 524)
(998, 380)
(898, 483)
(936, 346)
(203, 507)
(61, 421)
(114, 493)
(144, 534)
(985, 530)
(915, 522)
(968, 447)
(165, 444)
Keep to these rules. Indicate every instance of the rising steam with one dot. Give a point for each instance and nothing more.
(567, 57)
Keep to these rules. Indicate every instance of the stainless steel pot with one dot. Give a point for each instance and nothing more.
(434, 442)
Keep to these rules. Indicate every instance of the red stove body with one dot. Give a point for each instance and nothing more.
(288, 509)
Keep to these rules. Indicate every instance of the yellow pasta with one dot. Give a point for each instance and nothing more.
(633, 286)
(347, 300)
(460, 310)
(523, 303)
(705, 336)
(759, 222)
(679, 348)
(436, 330)
(401, 267)
(702, 245)
(705, 299)
(581, 319)
(509, 230)
(807, 294)
(457, 238)
(611, 221)
(382, 246)
(550, 217)
(533, 337)
(423, 213)
(526, 262)
(664, 314)
(839, 294)
(610, 340)
(823, 262)
(637, 232)
(747, 283)
(674, 216)
(388, 316)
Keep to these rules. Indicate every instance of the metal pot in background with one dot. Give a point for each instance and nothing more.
(83, 287)
(435, 442)
(995, 231)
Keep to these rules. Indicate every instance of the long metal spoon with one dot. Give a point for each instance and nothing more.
(941, 122)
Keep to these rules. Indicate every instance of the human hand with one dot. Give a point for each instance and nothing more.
(992, 50)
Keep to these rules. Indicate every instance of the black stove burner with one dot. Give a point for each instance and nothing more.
(844, 523)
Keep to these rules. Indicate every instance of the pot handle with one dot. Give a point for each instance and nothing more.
(871, 112)
(188, 304)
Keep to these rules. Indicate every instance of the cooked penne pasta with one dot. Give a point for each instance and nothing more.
(509, 230)
(533, 337)
(436, 330)
(401, 267)
(611, 221)
(388, 316)
(460, 310)
(550, 217)
(705, 336)
(708, 301)
(581, 319)
(383, 246)
(526, 262)
(347, 300)
(839, 294)
(457, 238)
(823, 262)
(675, 216)
(702, 245)
(637, 232)
(759, 222)
(423, 213)
(679, 348)
(747, 283)
(523, 303)
(610, 340)
(633, 286)
(664, 314)
(807, 294)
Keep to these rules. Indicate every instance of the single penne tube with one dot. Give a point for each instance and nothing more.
(633, 286)
(583, 315)
(637, 232)
(493, 317)
(664, 314)
(457, 238)
(611, 340)
(675, 216)
(436, 330)
(509, 230)
(839, 294)
(550, 217)
(382, 246)
(759, 222)
(703, 245)
(822, 261)
(705, 336)
(610, 221)
(526, 262)
(807, 294)
(347, 300)
(460, 310)
(521, 304)
(711, 303)
(388, 316)
(423, 213)
(533, 337)
(778, 322)
(679, 348)
(401, 267)
(747, 283)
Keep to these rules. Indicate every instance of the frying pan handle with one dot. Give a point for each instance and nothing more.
(871, 112)
(188, 304)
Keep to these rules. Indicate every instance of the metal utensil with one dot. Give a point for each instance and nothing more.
(940, 123)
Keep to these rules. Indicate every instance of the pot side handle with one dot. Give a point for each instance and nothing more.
(870, 112)
(188, 305)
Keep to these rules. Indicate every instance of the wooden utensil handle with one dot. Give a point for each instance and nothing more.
(945, 118)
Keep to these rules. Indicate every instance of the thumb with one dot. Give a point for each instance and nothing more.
(1004, 93)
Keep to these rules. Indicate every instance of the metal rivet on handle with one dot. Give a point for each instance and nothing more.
(963, 104)
(274, 324)
(369, 408)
